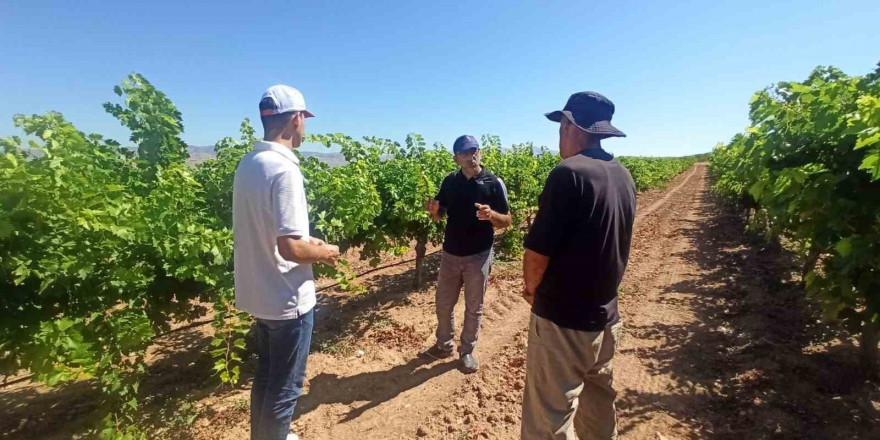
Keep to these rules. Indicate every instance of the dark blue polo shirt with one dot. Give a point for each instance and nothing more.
(465, 233)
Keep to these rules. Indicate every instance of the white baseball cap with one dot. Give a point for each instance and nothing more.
(283, 99)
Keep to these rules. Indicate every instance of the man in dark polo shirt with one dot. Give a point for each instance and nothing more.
(576, 253)
(475, 202)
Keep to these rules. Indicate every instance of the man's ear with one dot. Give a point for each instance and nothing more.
(297, 119)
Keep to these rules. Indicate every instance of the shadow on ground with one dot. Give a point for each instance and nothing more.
(373, 388)
(182, 371)
(757, 362)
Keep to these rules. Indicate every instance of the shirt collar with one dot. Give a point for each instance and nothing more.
(278, 148)
(597, 153)
(476, 176)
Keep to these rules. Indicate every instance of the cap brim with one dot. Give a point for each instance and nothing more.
(466, 149)
(269, 112)
(602, 128)
(554, 116)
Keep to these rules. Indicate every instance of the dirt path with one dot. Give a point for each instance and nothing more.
(712, 326)
(388, 393)
(491, 401)
(718, 343)
(376, 404)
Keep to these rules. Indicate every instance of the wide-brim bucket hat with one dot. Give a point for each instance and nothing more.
(589, 111)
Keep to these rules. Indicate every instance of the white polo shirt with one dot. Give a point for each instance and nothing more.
(269, 201)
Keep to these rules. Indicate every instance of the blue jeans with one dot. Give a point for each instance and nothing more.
(282, 350)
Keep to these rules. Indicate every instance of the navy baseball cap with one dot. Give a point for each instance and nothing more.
(464, 143)
(591, 112)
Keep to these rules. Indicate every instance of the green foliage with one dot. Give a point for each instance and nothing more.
(216, 175)
(810, 161)
(228, 346)
(411, 175)
(102, 249)
(523, 171)
(654, 172)
(154, 121)
(344, 200)
(99, 250)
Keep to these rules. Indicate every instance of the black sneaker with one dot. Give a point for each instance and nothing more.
(468, 363)
(435, 352)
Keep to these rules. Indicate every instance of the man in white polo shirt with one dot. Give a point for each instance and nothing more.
(273, 261)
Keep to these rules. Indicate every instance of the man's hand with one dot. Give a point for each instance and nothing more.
(484, 212)
(528, 296)
(432, 206)
(330, 253)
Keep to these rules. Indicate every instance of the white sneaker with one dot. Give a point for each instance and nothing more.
(292, 436)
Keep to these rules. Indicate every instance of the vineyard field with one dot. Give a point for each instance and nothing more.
(104, 248)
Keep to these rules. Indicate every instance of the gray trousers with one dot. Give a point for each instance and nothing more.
(569, 391)
(472, 272)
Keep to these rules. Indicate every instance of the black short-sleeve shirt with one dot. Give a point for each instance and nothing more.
(465, 233)
(584, 224)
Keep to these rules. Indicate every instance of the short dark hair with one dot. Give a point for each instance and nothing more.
(272, 124)
(589, 136)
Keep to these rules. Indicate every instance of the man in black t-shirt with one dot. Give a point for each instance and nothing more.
(475, 202)
(576, 254)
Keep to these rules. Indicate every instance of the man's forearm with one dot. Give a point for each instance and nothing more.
(300, 251)
(534, 267)
(500, 221)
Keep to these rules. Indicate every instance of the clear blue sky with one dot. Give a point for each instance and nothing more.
(680, 74)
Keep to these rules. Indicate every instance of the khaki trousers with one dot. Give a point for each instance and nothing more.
(472, 272)
(569, 393)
